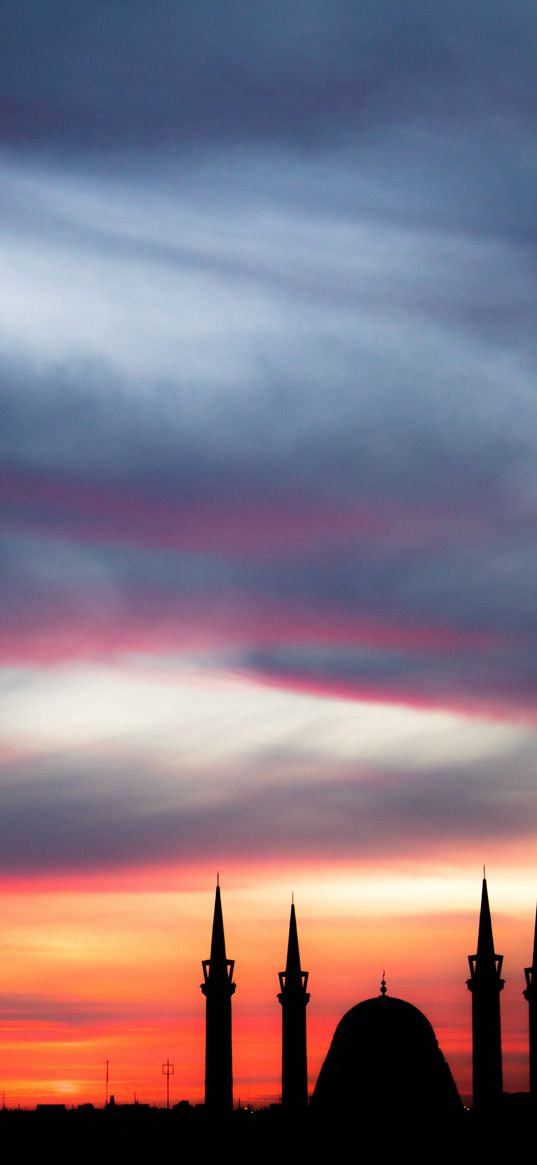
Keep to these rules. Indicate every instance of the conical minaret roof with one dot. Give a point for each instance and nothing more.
(218, 938)
(486, 963)
(485, 941)
(218, 969)
(293, 978)
(293, 969)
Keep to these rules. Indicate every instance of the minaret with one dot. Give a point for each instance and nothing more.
(531, 995)
(218, 987)
(294, 999)
(485, 984)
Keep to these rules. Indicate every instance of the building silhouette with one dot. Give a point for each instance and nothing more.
(218, 988)
(485, 983)
(294, 998)
(385, 1092)
(384, 1061)
(384, 1068)
(531, 995)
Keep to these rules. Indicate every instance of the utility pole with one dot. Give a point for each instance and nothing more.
(107, 1062)
(167, 1071)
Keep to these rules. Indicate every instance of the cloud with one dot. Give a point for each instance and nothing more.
(268, 391)
(379, 511)
(89, 815)
(26, 1007)
(496, 675)
(448, 626)
(210, 72)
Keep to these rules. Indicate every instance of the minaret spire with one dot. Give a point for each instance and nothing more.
(294, 998)
(218, 960)
(531, 995)
(218, 987)
(485, 983)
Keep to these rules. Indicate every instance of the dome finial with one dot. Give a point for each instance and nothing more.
(383, 987)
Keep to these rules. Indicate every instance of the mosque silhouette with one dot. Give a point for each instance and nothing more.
(384, 1062)
(384, 1096)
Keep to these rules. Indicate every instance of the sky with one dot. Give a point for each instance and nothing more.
(269, 482)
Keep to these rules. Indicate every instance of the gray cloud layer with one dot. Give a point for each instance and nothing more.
(18, 1007)
(206, 71)
(82, 820)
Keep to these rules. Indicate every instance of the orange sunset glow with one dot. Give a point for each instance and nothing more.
(94, 973)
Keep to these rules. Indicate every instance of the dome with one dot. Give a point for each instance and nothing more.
(384, 1061)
